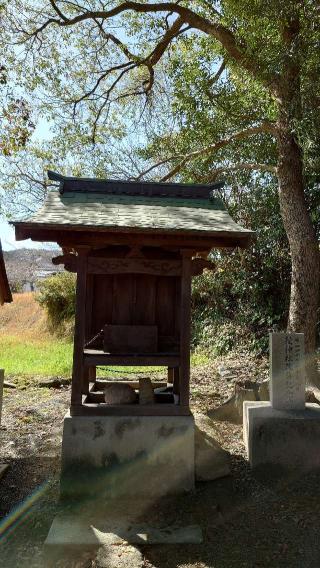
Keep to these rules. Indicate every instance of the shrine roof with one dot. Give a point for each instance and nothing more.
(138, 206)
(5, 293)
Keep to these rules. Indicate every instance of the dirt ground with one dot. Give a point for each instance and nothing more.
(246, 522)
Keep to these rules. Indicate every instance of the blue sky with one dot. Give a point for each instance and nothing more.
(8, 239)
(7, 235)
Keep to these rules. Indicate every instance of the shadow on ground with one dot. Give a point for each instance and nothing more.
(246, 522)
(28, 502)
(249, 522)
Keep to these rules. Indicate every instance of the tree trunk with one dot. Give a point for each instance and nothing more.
(304, 247)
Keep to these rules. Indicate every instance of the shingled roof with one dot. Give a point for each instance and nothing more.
(111, 205)
(5, 293)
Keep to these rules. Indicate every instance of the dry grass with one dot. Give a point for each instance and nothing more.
(24, 318)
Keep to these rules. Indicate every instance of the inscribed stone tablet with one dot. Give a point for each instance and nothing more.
(287, 371)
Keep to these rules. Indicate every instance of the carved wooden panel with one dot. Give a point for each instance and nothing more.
(134, 266)
(100, 265)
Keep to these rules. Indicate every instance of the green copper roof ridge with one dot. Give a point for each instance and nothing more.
(54, 176)
(136, 200)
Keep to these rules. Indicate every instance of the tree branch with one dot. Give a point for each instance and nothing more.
(237, 50)
(218, 74)
(60, 14)
(265, 127)
(127, 66)
(244, 166)
(133, 61)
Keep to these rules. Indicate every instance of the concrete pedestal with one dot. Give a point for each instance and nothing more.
(282, 439)
(118, 457)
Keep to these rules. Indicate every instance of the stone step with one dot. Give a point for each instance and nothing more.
(74, 531)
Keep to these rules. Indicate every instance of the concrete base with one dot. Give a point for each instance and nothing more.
(115, 457)
(282, 439)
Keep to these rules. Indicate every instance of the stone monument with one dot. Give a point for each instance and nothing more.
(287, 371)
(285, 432)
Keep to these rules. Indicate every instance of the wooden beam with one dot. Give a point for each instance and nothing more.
(101, 384)
(94, 357)
(71, 236)
(165, 267)
(100, 265)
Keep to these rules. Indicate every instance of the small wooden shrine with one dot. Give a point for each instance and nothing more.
(135, 247)
(5, 292)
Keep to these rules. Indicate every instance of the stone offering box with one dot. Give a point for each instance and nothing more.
(135, 247)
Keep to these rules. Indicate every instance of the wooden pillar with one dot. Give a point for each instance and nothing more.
(89, 302)
(80, 328)
(87, 374)
(176, 380)
(92, 374)
(185, 320)
(170, 375)
(85, 380)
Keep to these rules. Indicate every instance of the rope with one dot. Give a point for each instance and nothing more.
(91, 341)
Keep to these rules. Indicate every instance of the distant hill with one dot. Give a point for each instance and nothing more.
(25, 267)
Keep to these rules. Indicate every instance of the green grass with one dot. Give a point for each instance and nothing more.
(53, 357)
(28, 357)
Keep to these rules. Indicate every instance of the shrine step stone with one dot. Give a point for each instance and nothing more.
(90, 533)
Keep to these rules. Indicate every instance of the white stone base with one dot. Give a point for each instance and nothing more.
(124, 456)
(288, 439)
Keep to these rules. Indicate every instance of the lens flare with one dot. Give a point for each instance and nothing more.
(22, 511)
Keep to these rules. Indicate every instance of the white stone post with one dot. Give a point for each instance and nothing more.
(287, 371)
